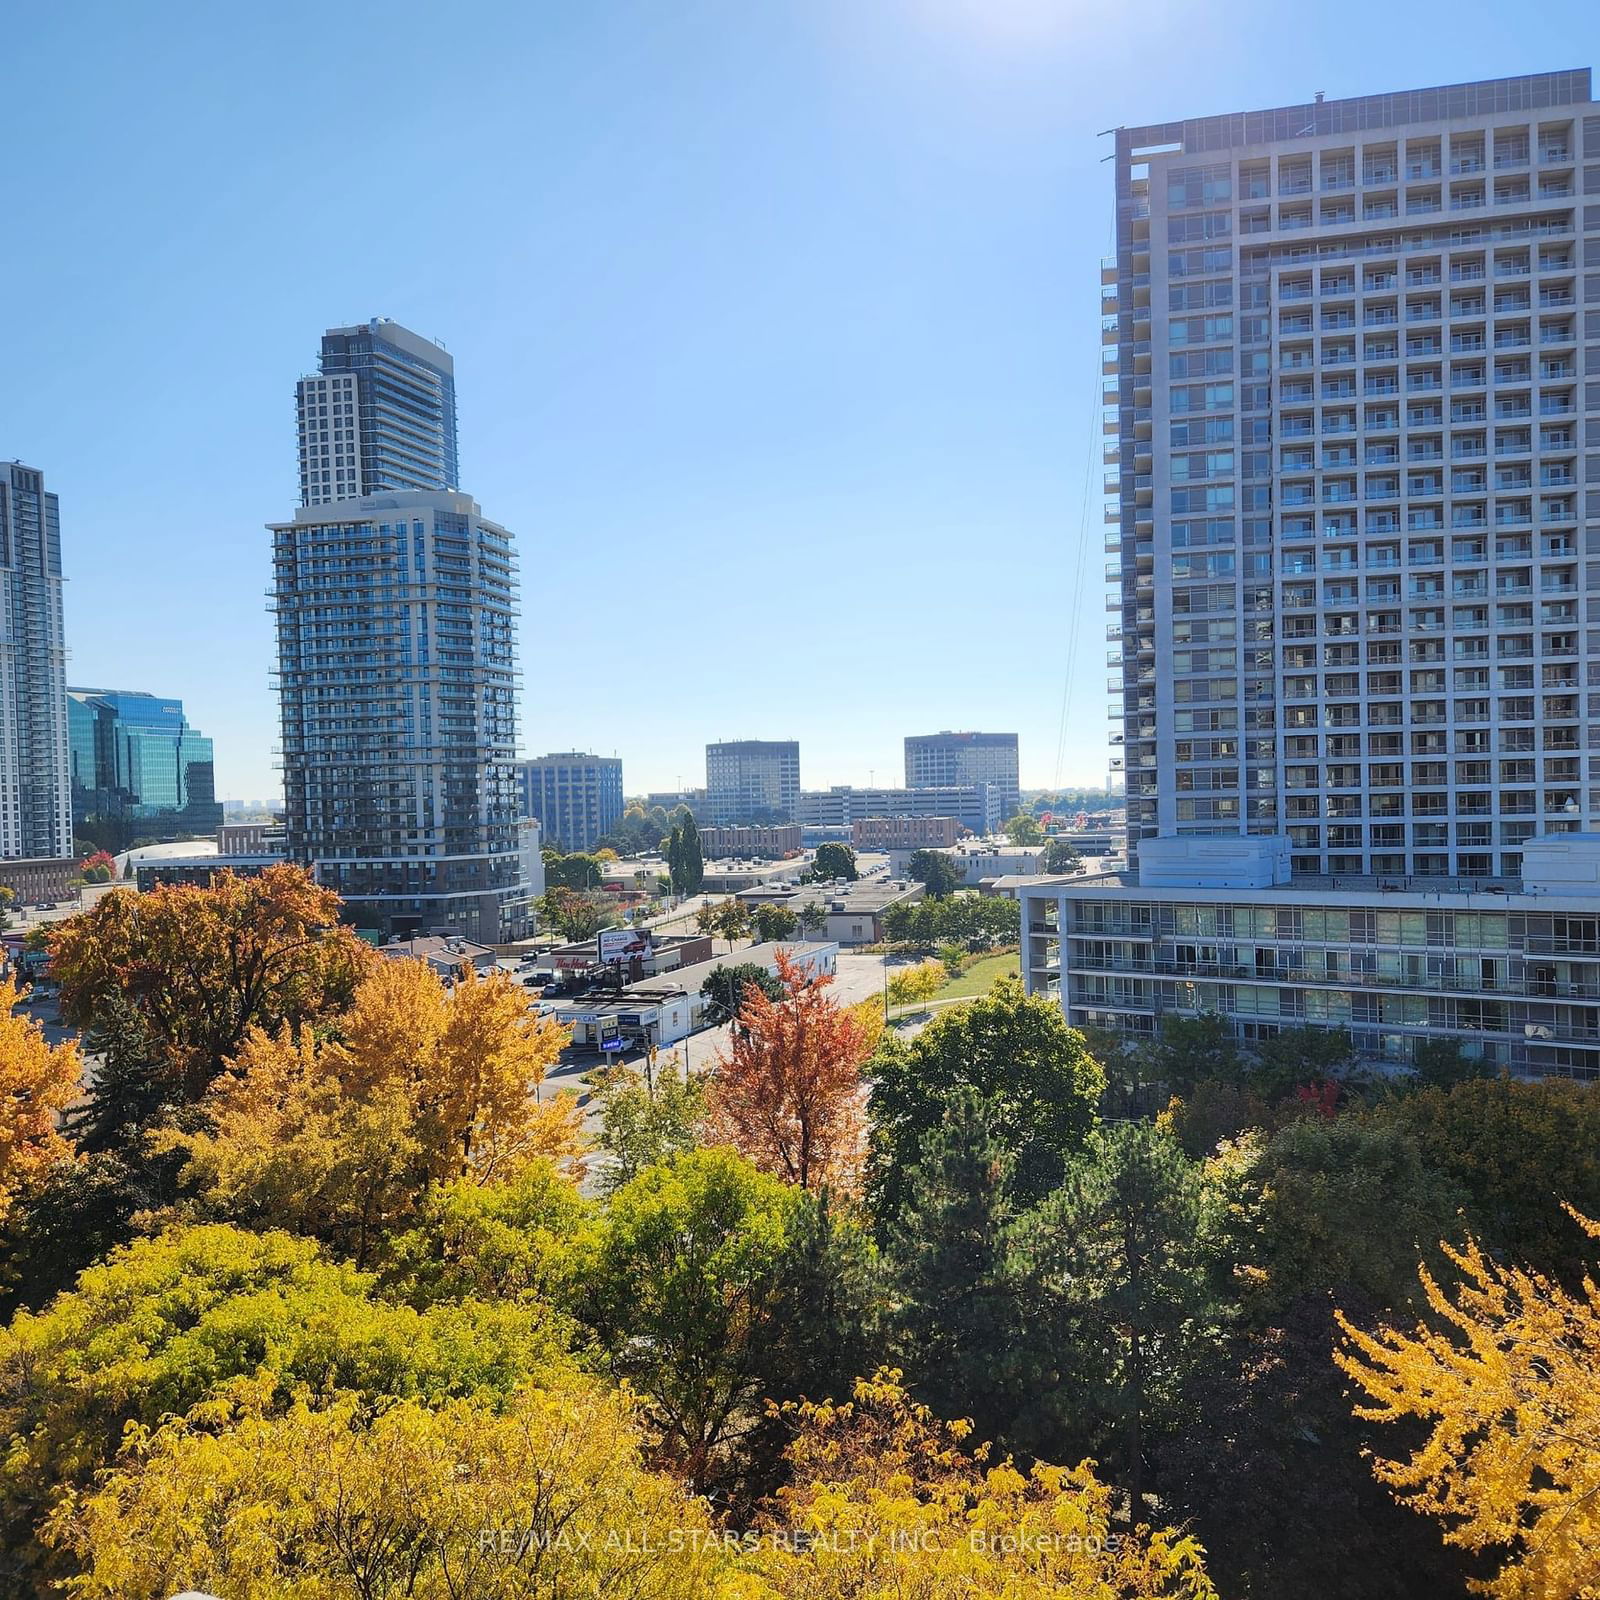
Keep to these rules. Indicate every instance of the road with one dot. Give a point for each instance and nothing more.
(860, 976)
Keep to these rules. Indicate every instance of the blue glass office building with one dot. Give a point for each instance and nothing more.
(139, 770)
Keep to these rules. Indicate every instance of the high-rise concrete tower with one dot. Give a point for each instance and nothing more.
(1346, 352)
(1352, 378)
(35, 769)
(396, 604)
(380, 414)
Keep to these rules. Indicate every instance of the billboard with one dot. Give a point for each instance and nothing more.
(623, 944)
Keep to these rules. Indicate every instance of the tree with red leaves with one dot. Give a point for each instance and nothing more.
(788, 1094)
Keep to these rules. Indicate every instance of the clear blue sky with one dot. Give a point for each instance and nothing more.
(775, 325)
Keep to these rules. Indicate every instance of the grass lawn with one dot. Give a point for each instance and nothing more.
(980, 976)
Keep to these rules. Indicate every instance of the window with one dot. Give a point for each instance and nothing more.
(1199, 225)
(1198, 186)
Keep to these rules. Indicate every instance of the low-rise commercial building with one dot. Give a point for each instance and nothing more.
(734, 877)
(904, 833)
(155, 871)
(448, 956)
(1509, 970)
(851, 913)
(663, 1011)
(977, 863)
(770, 842)
(665, 952)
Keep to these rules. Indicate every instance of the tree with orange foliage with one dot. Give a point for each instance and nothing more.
(788, 1095)
(38, 1081)
(341, 1138)
(1508, 1383)
(202, 966)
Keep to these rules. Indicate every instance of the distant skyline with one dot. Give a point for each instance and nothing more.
(803, 297)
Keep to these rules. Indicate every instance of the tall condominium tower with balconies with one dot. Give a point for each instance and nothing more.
(379, 414)
(1347, 353)
(35, 770)
(1352, 356)
(396, 613)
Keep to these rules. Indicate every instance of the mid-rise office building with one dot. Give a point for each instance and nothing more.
(576, 798)
(396, 618)
(35, 773)
(139, 771)
(936, 760)
(379, 414)
(753, 780)
(1352, 352)
(977, 807)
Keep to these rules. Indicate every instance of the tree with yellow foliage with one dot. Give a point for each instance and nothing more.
(891, 1501)
(202, 966)
(340, 1138)
(1508, 1383)
(544, 1496)
(38, 1081)
(916, 984)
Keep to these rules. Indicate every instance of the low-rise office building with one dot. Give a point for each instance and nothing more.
(904, 833)
(769, 842)
(36, 879)
(1508, 969)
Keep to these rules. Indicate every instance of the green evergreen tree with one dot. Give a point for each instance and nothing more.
(694, 861)
(952, 1322)
(1117, 1279)
(675, 859)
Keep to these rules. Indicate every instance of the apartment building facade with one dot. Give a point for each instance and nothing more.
(1349, 367)
(1352, 386)
(396, 618)
(378, 415)
(35, 768)
(575, 797)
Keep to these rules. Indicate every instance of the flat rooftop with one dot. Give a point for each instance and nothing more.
(1315, 119)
